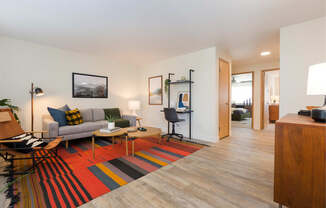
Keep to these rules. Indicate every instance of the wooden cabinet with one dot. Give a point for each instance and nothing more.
(300, 162)
(273, 112)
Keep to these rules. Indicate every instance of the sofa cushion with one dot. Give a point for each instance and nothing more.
(122, 123)
(86, 114)
(84, 127)
(103, 124)
(64, 108)
(73, 117)
(98, 114)
(58, 115)
(113, 113)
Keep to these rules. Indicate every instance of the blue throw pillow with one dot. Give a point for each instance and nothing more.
(58, 115)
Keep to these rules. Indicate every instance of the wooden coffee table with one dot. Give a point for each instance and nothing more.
(127, 136)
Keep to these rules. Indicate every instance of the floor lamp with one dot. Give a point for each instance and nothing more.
(37, 92)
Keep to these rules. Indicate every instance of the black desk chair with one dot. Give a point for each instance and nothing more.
(172, 117)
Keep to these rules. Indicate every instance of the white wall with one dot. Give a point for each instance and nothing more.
(51, 69)
(257, 84)
(302, 45)
(205, 122)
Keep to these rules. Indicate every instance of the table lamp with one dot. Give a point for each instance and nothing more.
(317, 86)
(134, 105)
(37, 92)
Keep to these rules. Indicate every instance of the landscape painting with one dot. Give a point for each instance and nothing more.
(155, 86)
(89, 86)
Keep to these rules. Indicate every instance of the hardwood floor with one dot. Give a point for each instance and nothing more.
(235, 172)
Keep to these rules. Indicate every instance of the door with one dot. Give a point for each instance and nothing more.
(270, 90)
(266, 101)
(224, 97)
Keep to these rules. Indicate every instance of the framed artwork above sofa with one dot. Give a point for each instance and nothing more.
(89, 86)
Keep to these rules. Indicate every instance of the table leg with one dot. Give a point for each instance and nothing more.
(67, 144)
(93, 146)
(133, 147)
(127, 145)
(112, 141)
(159, 138)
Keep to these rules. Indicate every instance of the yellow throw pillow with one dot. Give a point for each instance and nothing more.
(73, 117)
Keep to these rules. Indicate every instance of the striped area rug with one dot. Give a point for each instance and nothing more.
(74, 177)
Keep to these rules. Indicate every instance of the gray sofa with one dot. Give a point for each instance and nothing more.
(94, 119)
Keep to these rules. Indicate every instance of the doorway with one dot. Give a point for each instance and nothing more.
(224, 98)
(270, 97)
(242, 100)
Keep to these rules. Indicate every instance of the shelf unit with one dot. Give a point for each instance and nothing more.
(189, 82)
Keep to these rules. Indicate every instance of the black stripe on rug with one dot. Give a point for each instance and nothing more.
(133, 173)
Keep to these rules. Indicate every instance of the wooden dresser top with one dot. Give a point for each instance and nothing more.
(299, 120)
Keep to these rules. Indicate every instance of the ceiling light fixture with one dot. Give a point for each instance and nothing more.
(265, 53)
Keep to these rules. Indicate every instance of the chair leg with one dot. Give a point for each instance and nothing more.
(173, 128)
(67, 144)
(34, 162)
(172, 134)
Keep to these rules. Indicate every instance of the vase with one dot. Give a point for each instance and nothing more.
(111, 125)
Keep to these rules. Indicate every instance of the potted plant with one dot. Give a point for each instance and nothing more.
(111, 124)
(166, 85)
(14, 109)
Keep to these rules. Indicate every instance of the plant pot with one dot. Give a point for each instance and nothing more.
(111, 125)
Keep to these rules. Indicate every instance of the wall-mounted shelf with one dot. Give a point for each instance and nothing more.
(182, 82)
(182, 112)
(189, 110)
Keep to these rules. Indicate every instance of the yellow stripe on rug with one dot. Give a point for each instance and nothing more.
(151, 159)
(112, 175)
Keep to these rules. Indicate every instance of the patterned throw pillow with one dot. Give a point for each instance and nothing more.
(73, 117)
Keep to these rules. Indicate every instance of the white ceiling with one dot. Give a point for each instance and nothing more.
(144, 31)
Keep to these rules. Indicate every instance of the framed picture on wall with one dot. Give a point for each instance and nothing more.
(155, 93)
(89, 86)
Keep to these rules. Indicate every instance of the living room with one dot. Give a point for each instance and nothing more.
(158, 56)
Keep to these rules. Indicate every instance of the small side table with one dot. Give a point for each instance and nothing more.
(138, 119)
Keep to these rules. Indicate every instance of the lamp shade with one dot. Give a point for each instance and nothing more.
(317, 79)
(134, 105)
(38, 91)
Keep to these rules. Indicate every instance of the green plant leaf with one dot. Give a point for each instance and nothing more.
(7, 102)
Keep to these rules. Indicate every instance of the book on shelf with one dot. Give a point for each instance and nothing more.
(106, 130)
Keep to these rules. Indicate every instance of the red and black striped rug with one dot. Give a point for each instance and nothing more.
(74, 178)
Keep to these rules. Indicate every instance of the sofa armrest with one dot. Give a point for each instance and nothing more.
(51, 127)
(131, 118)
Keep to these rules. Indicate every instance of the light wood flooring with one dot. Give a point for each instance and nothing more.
(241, 124)
(235, 172)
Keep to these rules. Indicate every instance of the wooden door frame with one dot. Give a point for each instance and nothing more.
(262, 96)
(229, 96)
(252, 94)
